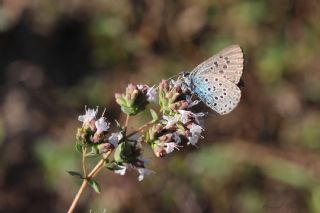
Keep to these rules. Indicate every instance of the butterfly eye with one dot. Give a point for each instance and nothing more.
(185, 74)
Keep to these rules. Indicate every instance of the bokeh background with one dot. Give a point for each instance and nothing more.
(57, 56)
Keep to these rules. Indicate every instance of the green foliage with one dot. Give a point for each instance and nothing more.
(78, 147)
(112, 166)
(273, 63)
(83, 135)
(55, 164)
(154, 115)
(134, 100)
(126, 152)
(95, 186)
(94, 151)
(75, 174)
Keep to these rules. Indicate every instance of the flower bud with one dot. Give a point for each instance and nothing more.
(179, 105)
(165, 138)
(160, 152)
(134, 100)
(170, 97)
(154, 130)
(164, 86)
(83, 135)
(105, 147)
(174, 97)
(98, 137)
(92, 125)
(128, 152)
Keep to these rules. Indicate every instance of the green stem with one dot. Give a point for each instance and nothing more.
(92, 174)
(84, 151)
(126, 124)
(141, 128)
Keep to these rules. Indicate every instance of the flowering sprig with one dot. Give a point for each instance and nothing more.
(135, 99)
(174, 125)
(178, 122)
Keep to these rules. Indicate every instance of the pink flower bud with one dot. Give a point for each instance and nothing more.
(105, 147)
(159, 151)
(92, 125)
(98, 137)
(117, 95)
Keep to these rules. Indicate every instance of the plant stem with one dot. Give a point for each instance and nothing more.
(84, 151)
(126, 124)
(92, 174)
(140, 128)
(77, 197)
(98, 167)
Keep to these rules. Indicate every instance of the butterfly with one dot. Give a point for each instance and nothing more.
(215, 80)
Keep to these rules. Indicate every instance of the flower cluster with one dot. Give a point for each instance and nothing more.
(128, 156)
(174, 125)
(178, 122)
(135, 99)
(93, 133)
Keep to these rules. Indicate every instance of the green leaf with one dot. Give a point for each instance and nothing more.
(154, 115)
(79, 147)
(112, 166)
(180, 126)
(147, 136)
(94, 184)
(125, 153)
(117, 153)
(94, 151)
(128, 110)
(77, 174)
(92, 155)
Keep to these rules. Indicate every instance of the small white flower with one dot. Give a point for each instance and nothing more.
(171, 120)
(152, 95)
(177, 83)
(195, 131)
(121, 171)
(170, 147)
(140, 86)
(102, 125)
(185, 115)
(115, 138)
(193, 140)
(89, 116)
(176, 137)
(143, 172)
(190, 102)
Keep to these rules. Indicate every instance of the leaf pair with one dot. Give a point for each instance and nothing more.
(94, 184)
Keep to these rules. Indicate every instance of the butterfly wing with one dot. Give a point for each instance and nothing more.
(227, 63)
(217, 92)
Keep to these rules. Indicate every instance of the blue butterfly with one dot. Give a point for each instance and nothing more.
(215, 80)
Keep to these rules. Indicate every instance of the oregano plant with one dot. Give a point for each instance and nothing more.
(173, 124)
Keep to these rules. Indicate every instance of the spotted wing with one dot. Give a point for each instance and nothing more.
(217, 92)
(228, 63)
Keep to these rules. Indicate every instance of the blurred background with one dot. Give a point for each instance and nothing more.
(57, 56)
